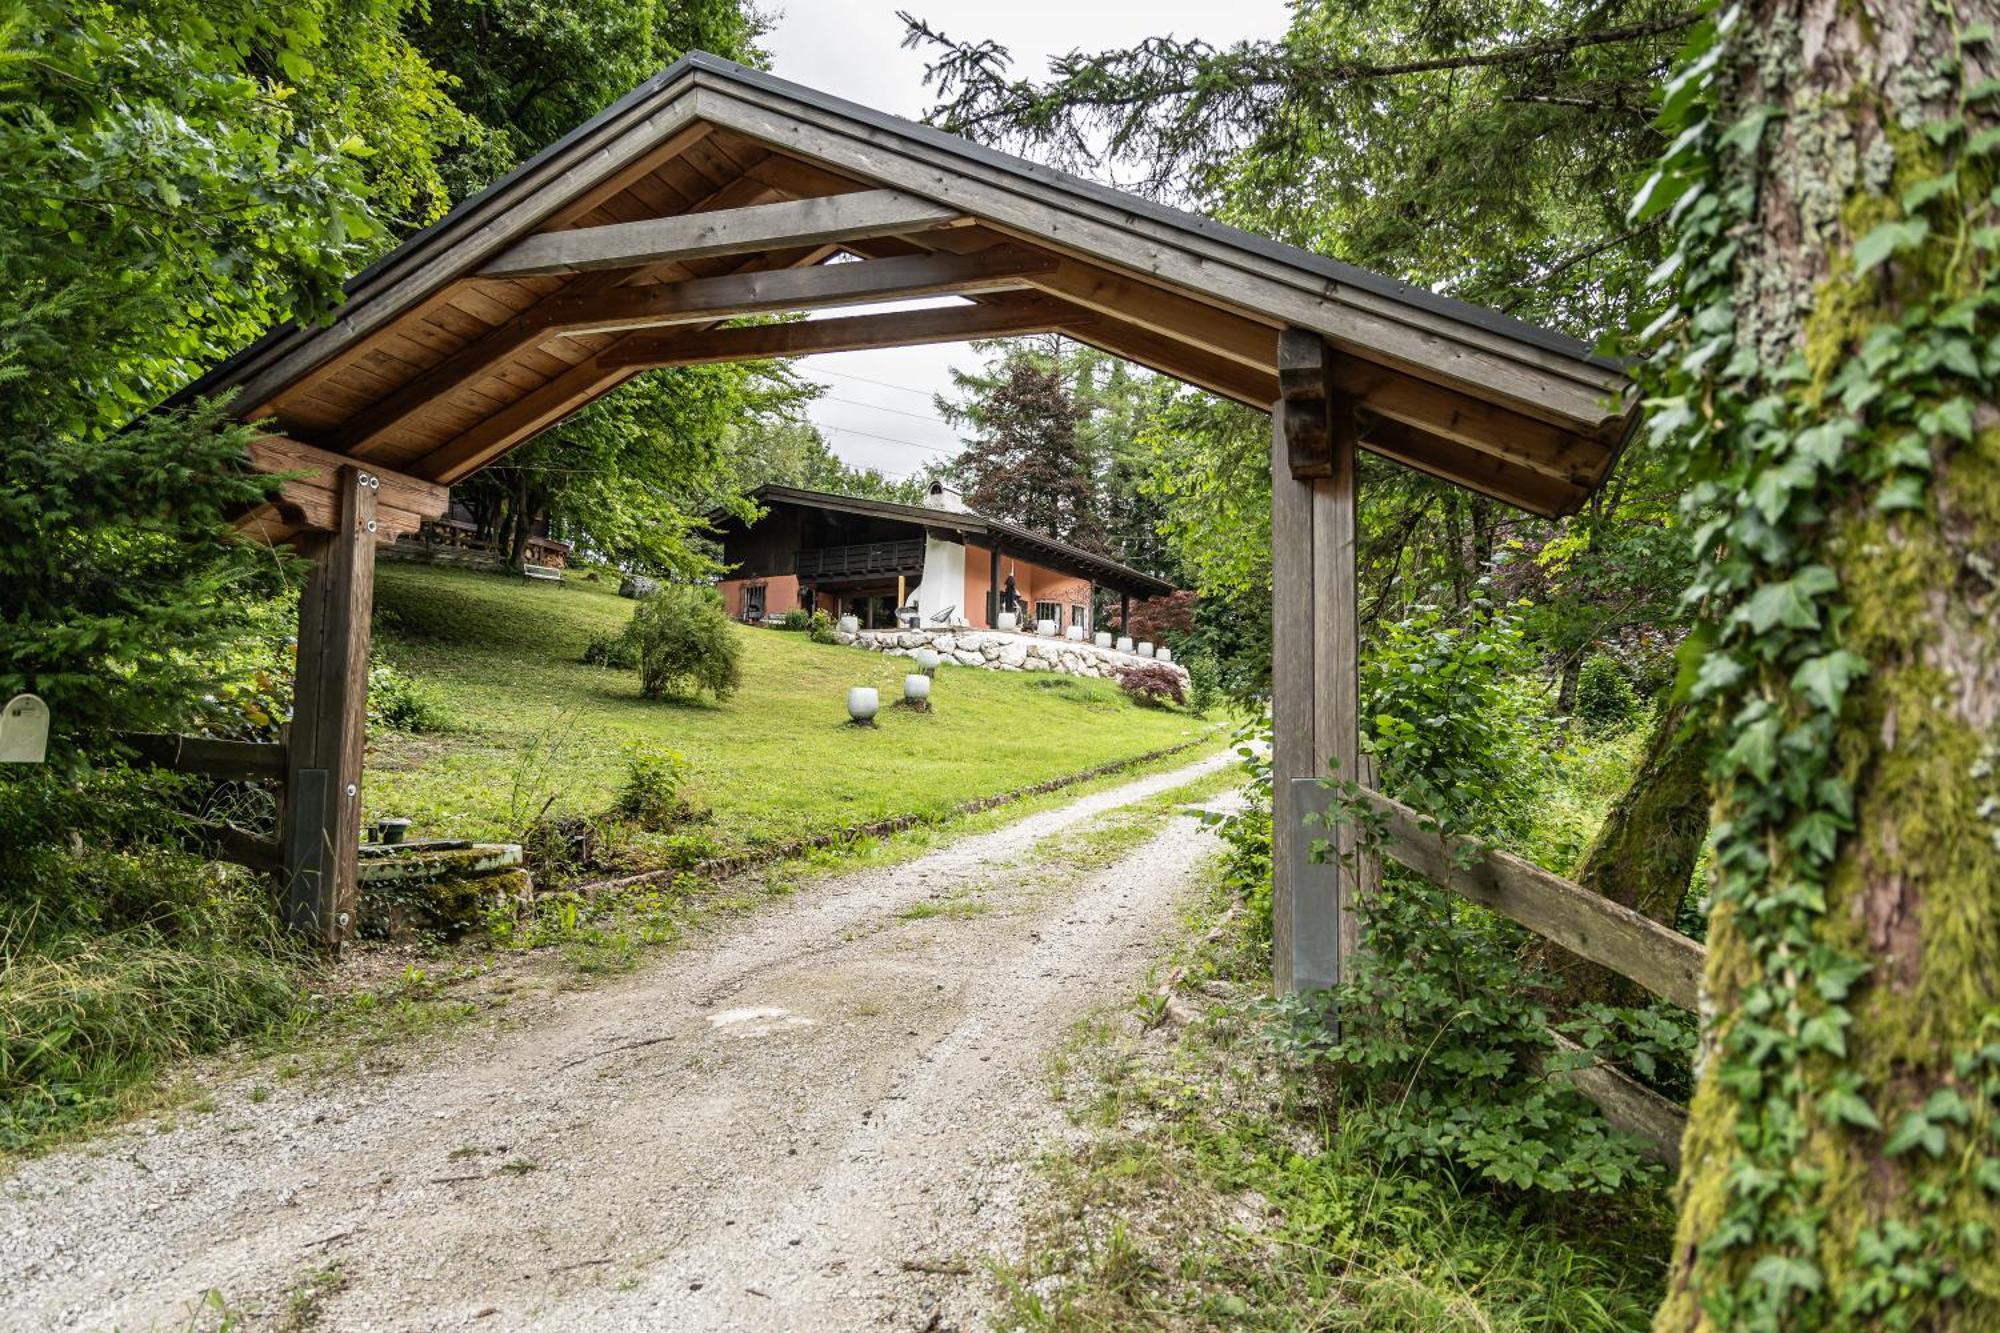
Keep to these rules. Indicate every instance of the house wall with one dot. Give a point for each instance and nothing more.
(781, 594)
(1032, 581)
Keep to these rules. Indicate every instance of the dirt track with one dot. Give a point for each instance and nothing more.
(818, 1118)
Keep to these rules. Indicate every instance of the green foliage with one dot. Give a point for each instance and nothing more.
(1204, 683)
(821, 628)
(612, 648)
(1152, 684)
(794, 620)
(686, 644)
(1246, 832)
(404, 702)
(654, 777)
(1605, 699)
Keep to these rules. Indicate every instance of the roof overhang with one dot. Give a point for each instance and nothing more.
(715, 193)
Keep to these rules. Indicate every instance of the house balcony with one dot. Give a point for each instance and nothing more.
(869, 558)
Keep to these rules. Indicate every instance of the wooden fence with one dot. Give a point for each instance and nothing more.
(1588, 925)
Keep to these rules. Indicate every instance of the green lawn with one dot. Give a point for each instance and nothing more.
(533, 726)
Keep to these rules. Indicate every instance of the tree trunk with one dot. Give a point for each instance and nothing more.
(1644, 856)
(1840, 1167)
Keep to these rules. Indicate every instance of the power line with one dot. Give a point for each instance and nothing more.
(890, 439)
(878, 407)
(881, 384)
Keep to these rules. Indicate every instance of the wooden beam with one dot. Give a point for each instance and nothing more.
(1490, 429)
(310, 497)
(1589, 925)
(321, 827)
(1292, 871)
(1244, 341)
(1316, 413)
(472, 361)
(223, 760)
(1495, 477)
(1626, 1104)
(764, 291)
(730, 231)
(854, 333)
(1182, 361)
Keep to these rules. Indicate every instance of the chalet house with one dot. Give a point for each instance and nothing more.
(937, 565)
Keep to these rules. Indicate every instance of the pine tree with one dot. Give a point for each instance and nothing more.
(1026, 461)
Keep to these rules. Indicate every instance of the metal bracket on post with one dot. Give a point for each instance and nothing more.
(1315, 885)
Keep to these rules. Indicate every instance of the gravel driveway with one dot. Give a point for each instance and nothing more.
(819, 1117)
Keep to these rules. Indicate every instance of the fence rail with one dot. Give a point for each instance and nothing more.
(904, 557)
(1589, 925)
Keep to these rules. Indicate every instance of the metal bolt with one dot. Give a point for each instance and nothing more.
(352, 789)
(371, 525)
(343, 918)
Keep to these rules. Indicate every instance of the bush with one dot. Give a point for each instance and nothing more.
(821, 628)
(1204, 683)
(607, 649)
(1152, 685)
(403, 702)
(686, 644)
(651, 795)
(794, 620)
(1605, 699)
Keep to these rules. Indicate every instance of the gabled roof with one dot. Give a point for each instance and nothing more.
(714, 192)
(964, 524)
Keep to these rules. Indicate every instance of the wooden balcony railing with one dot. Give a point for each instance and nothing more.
(827, 562)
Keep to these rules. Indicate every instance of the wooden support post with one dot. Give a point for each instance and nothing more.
(321, 831)
(1090, 615)
(1125, 613)
(993, 590)
(1314, 658)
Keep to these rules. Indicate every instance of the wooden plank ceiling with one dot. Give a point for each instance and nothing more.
(685, 254)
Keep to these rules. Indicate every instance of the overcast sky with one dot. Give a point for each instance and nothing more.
(877, 411)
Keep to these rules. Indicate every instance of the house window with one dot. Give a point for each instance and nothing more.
(1076, 617)
(753, 602)
(1048, 611)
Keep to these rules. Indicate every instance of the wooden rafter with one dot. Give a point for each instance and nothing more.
(852, 333)
(857, 215)
(1531, 490)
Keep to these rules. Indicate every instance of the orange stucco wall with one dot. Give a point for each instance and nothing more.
(1034, 583)
(781, 594)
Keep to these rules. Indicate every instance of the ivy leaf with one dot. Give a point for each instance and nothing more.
(1887, 239)
(1788, 603)
(1924, 191)
(1756, 749)
(1782, 1273)
(1825, 679)
(1915, 1132)
(1902, 492)
(1846, 1107)
(1954, 418)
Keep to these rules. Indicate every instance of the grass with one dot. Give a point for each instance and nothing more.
(1212, 1188)
(537, 730)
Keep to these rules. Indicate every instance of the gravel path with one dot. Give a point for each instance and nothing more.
(819, 1117)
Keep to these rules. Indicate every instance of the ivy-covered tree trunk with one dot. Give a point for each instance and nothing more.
(1830, 370)
(1644, 856)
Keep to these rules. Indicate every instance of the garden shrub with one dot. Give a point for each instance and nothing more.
(400, 701)
(686, 644)
(1204, 683)
(794, 620)
(651, 796)
(1153, 685)
(616, 650)
(1605, 699)
(822, 629)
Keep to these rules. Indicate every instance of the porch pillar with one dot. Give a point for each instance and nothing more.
(993, 589)
(1125, 613)
(1314, 659)
(321, 827)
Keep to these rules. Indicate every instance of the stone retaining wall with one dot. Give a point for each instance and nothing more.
(1000, 650)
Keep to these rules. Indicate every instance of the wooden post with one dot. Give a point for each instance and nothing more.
(1090, 613)
(993, 589)
(1125, 613)
(322, 819)
(1314, 657)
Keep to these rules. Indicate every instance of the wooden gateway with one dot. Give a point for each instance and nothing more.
(715, 192)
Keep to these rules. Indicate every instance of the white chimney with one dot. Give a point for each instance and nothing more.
(944, 497)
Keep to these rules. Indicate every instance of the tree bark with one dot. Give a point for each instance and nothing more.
(1914, 888)
(1644, 856)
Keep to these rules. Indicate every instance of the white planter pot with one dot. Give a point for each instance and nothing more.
(916, 688)
(850, 625)
(863, 703)
(1124, 644)
(1006, 620)
(1074, 634)
(1046, 628)
(927, 661)
(1144, 650)
(1103, 639)
(1165, 654)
